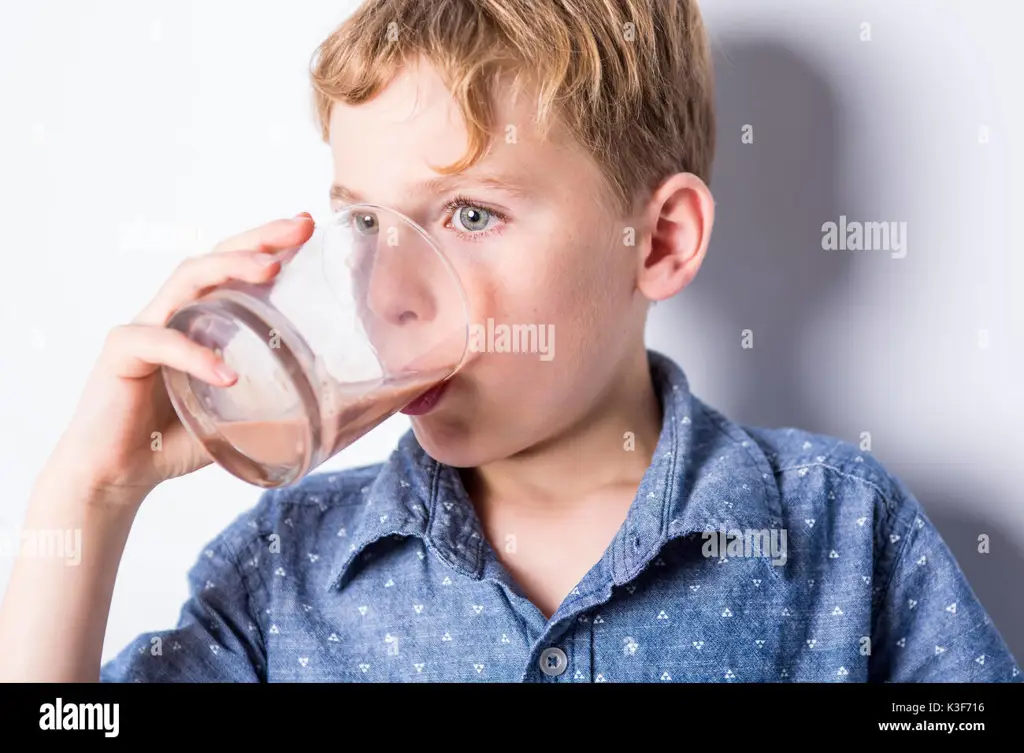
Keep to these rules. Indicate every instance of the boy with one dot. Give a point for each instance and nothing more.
(583, 519)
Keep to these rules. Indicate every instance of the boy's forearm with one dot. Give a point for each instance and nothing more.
(54, 613)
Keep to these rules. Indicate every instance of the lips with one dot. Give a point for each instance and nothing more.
(427, 401)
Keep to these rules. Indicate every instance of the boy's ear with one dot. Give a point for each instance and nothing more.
(679, 217)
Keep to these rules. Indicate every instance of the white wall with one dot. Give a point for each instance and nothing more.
(847, 342)
(134, 134)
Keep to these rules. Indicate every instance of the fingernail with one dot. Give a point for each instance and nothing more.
(266, 260)
(302, 216)
(225, 372)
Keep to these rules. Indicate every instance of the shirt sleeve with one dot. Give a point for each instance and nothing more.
(218, 636)
(929, 625)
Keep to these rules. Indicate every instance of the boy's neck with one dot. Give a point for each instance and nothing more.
(589, 461)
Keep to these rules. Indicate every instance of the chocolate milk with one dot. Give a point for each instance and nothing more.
(279, 446)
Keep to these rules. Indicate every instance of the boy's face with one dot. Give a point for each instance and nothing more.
(535, 245)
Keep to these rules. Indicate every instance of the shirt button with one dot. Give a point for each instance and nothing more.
(553, 661)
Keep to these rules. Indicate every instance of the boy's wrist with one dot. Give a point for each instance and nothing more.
(63, 484)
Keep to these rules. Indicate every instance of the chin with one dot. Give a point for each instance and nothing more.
(454, 444)
(446, 443)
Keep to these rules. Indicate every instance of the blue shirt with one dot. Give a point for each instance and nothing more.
(747, 555)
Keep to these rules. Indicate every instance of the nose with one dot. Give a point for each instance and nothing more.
(409, 299)
(398, 290)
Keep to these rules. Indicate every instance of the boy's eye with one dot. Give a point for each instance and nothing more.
(365, 223)
(472, 219)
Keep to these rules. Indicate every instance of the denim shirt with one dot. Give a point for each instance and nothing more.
(747, 555)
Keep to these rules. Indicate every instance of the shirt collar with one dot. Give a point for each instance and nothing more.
(706, 474)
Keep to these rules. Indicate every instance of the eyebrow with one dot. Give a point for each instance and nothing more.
(441, 185)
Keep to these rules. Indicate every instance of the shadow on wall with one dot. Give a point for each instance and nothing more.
(766, 272)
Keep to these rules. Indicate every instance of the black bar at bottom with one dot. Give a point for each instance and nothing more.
(205, 714)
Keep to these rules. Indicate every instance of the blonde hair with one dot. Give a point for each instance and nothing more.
(631, 80)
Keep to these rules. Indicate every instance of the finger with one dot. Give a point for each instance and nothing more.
(273, 236)
(245, 257)
(196, 275)
(133, 352)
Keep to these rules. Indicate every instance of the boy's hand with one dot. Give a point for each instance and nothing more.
(109, 444)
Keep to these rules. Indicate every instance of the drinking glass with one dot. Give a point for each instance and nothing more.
(365, 318)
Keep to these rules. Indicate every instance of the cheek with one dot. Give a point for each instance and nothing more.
(580, 280)
(580, 283)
